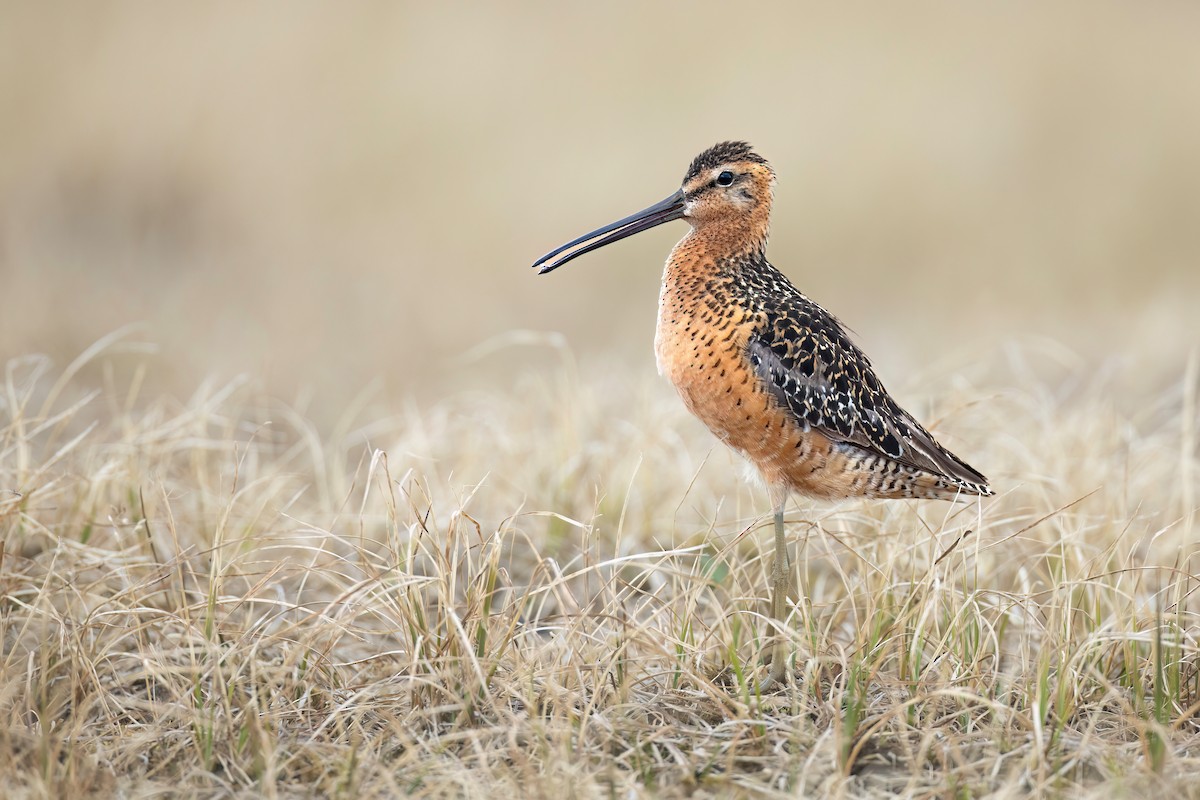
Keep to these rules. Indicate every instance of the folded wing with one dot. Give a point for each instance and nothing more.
(820, 376)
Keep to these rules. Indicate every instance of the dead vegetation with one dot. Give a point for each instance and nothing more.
(556, 592)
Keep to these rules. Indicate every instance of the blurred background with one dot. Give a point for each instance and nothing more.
(330, 195)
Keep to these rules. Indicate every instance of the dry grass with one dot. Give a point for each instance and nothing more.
(555, 591)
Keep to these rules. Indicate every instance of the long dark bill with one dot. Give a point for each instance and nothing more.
(662, 211)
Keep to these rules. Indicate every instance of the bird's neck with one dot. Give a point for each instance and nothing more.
(713, 250)
(703, 285)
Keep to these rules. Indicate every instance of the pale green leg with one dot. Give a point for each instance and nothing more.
(780, 575)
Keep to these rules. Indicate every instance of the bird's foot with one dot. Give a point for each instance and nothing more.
(776, 672)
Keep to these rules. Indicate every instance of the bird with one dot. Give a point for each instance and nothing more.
(770, 372)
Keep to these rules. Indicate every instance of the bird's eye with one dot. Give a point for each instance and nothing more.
(725, 178)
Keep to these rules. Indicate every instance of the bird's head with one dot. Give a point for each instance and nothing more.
(727, 187)
(727, 183)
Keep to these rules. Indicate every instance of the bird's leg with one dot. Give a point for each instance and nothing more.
(780, 573)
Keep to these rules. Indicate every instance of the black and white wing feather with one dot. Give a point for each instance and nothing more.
(812, 369)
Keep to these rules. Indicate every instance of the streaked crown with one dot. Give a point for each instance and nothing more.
(723, 153)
